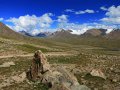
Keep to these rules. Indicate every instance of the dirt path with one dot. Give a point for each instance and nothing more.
(31, 54)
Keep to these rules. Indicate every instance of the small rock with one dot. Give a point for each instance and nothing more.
(114, 80)
(95, 88)
(111, 69)
(7, 64)
(98, 73)
(80, 87)
(19, 78)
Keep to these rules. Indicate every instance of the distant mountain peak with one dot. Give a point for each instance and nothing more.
(41, 34)
(25, 33)
(114, 34)
(95, 32)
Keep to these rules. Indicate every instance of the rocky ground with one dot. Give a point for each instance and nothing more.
(98, 72)
(94, 67)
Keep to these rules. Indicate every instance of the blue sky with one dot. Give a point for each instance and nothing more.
(34, 16)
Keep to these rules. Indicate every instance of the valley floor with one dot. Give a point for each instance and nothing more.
(96, 67)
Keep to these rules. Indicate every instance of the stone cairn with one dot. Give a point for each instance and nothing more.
(56, 78)
(38, 67)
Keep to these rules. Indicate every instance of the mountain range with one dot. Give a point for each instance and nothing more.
(9, 33)
(114, 34)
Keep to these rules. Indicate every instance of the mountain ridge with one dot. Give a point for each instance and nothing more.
(6, 32)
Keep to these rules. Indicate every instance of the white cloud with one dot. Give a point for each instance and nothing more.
(1, 19)
(79, 32)
(89, 11)
(112, 15)
(80, 12)
(69, 10)
(62, 19)
(111, 20)
(113, 11)
(31, 23)
(103, 8)
(45, 20)
(35, 32)
(85, 11)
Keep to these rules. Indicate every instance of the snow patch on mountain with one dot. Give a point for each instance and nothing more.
(79, 32)
(109, 30)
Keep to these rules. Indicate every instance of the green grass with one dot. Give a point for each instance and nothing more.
(106, 51)
(40, 86)
(91, 81)
(30, 48)
(73, 59)
(91, 41)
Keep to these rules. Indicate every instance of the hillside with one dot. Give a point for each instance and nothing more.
(25, 33)
(62, 33)
(6, 32)
(115, 34)
(94, 32)
(92, 37)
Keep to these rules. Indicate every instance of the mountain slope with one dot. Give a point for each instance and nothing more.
(63, 34)
(6, 32)
(43, 34)
(95, 32)
(115, 34)
(25, 33)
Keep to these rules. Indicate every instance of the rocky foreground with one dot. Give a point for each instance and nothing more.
(56, 78)
(97, 72)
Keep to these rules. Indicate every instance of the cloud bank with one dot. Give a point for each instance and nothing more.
(32, 23)
(112, 15)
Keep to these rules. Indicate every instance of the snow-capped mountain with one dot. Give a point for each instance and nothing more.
(109, 33)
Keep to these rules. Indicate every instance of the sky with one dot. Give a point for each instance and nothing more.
(36, 16)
